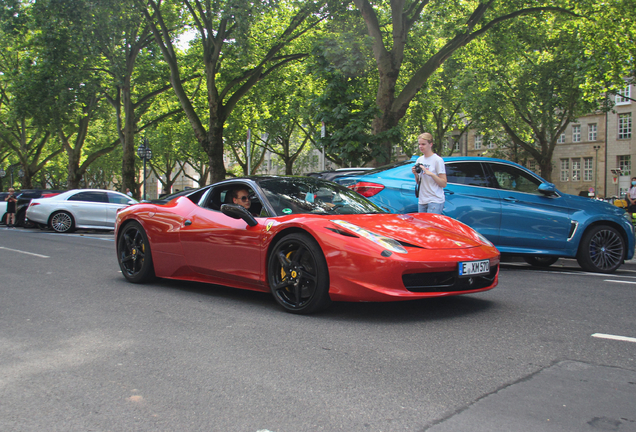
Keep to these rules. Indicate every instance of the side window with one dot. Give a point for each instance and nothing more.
(117, 199)
(223, 195)
(89, 197)
(513, 179)
(466, 173)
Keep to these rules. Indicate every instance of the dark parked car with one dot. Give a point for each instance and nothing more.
(164, 198)
(518, 211)
(332, 175)
(24, 199)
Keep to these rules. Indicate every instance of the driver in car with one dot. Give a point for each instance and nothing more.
(241, 197)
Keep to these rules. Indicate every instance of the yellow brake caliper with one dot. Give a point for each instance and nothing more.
(283, 275)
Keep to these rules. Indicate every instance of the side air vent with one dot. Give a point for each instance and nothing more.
(573, 227)
(405, 244)
(342, 232)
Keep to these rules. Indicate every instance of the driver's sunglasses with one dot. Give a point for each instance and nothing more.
(244, 198)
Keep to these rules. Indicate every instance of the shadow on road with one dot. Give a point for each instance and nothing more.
(432, 309)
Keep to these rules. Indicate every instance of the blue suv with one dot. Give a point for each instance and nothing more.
(518, 211)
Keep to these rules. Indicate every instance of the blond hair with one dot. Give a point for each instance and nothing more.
(427, 136)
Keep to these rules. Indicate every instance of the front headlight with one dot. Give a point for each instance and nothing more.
(385, 242)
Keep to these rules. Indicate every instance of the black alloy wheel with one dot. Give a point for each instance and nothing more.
(133, 254)
(602, 250)
(541, 261)
(298, 275)
(62, 222)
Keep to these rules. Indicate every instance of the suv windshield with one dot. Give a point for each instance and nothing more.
(297, 195)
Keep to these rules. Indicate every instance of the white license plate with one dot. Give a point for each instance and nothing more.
(472, 268)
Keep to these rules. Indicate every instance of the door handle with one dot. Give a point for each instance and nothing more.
(188, 222)
(510, 199)
(447, 192)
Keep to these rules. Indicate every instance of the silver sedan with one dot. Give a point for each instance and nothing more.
(78, 208)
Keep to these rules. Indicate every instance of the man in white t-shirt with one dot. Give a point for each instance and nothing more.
(431, 178)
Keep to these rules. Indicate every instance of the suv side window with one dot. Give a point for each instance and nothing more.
(466, 173)
(89, 197)
(513, 179)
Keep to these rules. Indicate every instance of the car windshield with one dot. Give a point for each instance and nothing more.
(298, 195)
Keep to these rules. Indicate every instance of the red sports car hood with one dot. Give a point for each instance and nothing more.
(424, 230)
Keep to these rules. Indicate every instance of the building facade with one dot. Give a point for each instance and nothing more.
(593, 157)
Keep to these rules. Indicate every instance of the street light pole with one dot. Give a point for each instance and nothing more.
(145, 154)
(596, 147)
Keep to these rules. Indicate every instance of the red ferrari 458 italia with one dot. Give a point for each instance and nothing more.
(306, 240)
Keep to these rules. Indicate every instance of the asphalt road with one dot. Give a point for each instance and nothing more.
(83, 350)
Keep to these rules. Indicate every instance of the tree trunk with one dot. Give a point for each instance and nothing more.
(381, 124)
(214, 149)
(127, 136)
(74, 177)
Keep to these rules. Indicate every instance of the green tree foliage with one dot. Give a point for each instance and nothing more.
(134, 75)
(170, 140)
(244, 121)
(240, 43)
(345, 104)
(608, 31)
(529, 86)
(412, 39)
(284, 113)
(439, 108)
(22, 133)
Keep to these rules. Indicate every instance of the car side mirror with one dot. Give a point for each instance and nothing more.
(547, 189)
(236, 211)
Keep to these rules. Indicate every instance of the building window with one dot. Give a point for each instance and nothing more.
(587, 169)
(456, 147)
(478, 139)
(491, 145)
(561, 139)
(625, 126)
(576, 169)
(592, 132)
(532, 166)
(623, 96)
(576, 133)
(625, 164)
(565, 169)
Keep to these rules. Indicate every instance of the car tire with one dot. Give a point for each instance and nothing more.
(298, 275)
(28, 224)
(602, 250)
(541, 261)
(62, 222)
(134, 255)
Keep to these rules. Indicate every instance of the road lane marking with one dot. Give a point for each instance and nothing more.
(24, 252)
(614, 337)
(617, 281)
